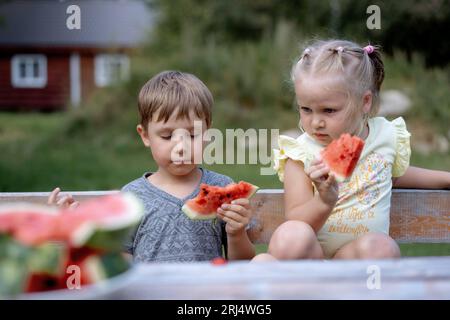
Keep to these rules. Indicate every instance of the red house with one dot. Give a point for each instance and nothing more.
(54, 53)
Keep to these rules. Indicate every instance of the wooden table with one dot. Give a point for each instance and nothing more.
(406, 278)
(416, 216)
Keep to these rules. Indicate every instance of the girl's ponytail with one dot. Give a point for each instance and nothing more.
(378, 69)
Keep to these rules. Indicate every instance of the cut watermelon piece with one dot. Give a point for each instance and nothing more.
(23, 267)
(30, 224)
(13, 266)
(218, 261)
(101, 223)
(342, 155)
(210, 198)
(91, 267)
(38, 243)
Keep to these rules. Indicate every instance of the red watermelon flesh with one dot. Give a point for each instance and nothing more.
(342, 155)
(42, 282)
(29, 224)
(79, 257)
(210, 198)
(92, 267)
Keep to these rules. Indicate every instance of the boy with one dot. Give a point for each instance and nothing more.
(169, 103)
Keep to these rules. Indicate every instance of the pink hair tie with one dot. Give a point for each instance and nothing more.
(369, 49)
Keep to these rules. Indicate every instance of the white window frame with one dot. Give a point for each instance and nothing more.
(29, 81)
(103, 75)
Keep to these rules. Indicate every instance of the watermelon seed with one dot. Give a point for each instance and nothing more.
(50, 283)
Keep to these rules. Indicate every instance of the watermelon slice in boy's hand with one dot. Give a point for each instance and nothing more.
(210, 198)
(342, 155)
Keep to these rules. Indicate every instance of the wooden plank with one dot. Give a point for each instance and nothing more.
(41, 197)
(416, 215)
(420, 216)
(407, 278)
(416, 278)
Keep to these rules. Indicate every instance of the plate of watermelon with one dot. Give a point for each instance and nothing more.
(48, 253)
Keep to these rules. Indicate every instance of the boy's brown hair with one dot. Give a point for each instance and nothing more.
(174, 91)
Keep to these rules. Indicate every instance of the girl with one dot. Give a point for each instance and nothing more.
(337, 85)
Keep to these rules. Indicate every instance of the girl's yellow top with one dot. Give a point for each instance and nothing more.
(364, 199)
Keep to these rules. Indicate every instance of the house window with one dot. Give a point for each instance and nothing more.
(111, 69)
(29, 71)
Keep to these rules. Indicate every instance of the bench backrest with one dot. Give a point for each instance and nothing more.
(416, 215)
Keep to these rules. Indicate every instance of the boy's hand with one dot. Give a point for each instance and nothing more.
(237, 215)
(64, 202)
(325, 183)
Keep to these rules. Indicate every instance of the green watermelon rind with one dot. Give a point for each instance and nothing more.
(13, 266)
(48, 258)
(102, 267)
(338, 177)
(193, 215)
(19, 261)
(107, 240)
(197, 216)
(115, 225)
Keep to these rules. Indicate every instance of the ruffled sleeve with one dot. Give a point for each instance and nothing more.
(289, 148)
(402, 146)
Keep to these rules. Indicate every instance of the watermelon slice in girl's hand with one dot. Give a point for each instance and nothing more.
(342, 155)
(210, 198)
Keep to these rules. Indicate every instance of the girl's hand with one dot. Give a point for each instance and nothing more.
(325, 183)
(237, 215)
(64, 202)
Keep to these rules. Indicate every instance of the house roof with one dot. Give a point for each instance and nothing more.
(104, 23)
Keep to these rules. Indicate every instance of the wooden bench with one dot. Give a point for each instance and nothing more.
(417, 216)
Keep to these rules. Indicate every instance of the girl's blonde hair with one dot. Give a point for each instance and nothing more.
(361, 68)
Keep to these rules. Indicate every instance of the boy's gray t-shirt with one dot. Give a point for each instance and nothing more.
(165, 233)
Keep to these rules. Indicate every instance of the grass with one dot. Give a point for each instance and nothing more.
(96, 146)
(35, 157)
(407, 249)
